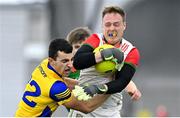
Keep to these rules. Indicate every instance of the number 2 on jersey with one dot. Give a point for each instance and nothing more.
(33, 94)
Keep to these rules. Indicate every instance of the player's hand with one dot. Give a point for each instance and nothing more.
(115, 55)
(111, 53)
(118, 54)
(136, 95)
(95, 89)
(80, 94)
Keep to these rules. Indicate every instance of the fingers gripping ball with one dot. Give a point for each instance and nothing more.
(79, 93)
(106, 65)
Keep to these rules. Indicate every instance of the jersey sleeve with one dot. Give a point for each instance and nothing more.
(59, 92)
(93, 41)
(133, 57)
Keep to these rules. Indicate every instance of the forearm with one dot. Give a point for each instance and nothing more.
(96, 101)
(131, 87)
(86, 106)
(84, 58)
(123, 77)
(133, 91)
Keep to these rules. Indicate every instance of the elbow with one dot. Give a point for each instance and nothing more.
(87, 110)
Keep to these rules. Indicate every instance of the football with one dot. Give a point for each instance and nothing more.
(105, 66)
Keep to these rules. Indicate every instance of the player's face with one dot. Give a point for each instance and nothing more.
(63, 63)
(76, 46)
(113, 27)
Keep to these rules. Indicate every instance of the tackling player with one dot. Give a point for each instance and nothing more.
(47, 90)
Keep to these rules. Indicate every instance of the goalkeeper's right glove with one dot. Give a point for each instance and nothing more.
(95, 89)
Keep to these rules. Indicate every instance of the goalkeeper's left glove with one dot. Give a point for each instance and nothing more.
(95, 89)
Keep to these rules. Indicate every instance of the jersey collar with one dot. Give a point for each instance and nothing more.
(51, 68)
(117, 45)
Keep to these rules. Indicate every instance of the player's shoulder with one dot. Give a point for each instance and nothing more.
(133, 57)
(135, 51)
(40, 70)
(59, 91)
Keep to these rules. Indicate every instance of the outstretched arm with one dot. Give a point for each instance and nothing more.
(86, 106)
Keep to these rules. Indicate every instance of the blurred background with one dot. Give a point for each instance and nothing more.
(153, 26)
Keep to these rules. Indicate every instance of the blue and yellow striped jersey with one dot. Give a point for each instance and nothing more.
(44, 92)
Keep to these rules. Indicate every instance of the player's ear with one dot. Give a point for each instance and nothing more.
(50, 60)
(124, 25)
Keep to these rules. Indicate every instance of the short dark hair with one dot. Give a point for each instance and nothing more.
(114, 9)
(78, 34)
(59, 44)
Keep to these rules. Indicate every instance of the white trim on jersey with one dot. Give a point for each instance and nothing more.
(126, 47)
